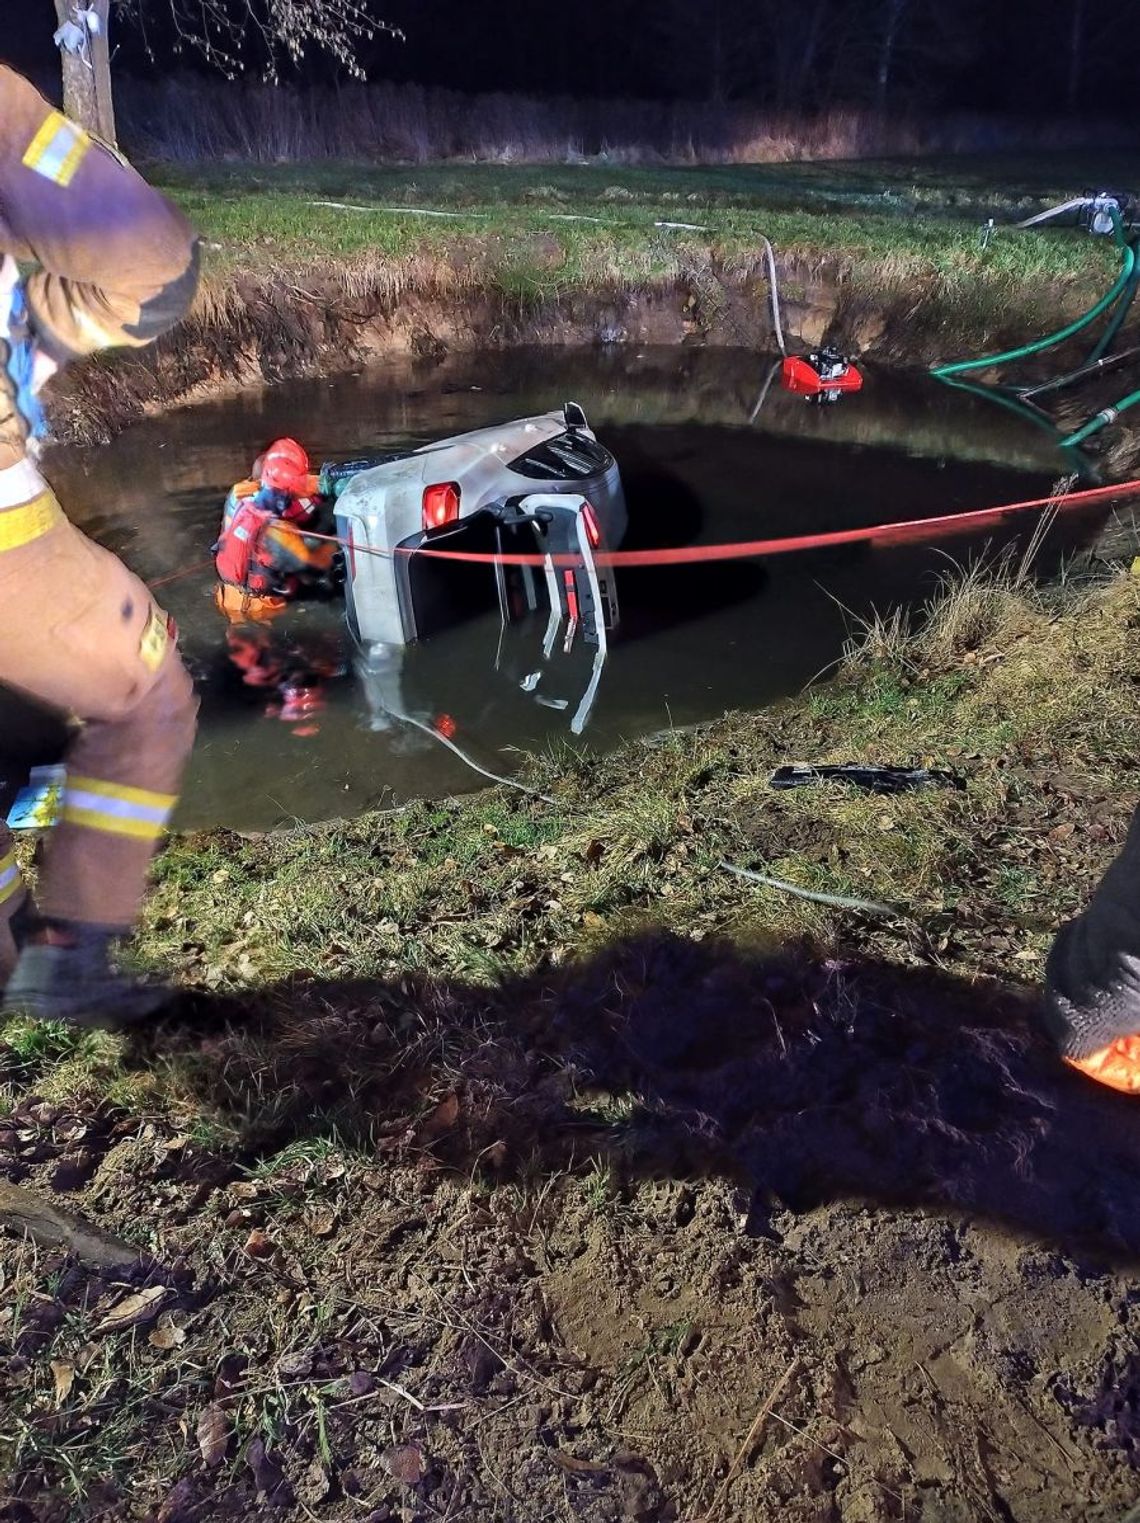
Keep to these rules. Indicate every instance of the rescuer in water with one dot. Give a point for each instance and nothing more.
(114, 264)
(263, 557)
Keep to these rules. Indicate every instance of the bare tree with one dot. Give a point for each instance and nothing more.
(894, 14)
(1093, 36)
(1076, 54)
(84, 48)
(226, 33)
(792, 39)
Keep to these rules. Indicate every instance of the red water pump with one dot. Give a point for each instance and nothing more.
(822, 376)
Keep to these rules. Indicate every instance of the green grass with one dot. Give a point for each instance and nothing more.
(1000, 684)
(890, 222)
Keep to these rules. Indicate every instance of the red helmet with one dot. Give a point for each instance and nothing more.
(284, 465)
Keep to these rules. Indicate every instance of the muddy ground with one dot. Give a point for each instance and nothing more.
(508, 1160)
(856, 1251)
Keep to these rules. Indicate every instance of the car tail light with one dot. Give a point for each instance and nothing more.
(593, 530)
(441, 505)
(571, 596)
(445, 725)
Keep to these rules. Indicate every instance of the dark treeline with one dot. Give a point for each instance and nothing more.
(1028, 57)
(1025, 57)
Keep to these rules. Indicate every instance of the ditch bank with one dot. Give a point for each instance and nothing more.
(254, 327)
(508, 1159)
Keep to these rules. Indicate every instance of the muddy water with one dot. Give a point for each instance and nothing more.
(700, 466)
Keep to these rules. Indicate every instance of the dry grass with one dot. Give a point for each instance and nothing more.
(192, 118)
(416, 1159)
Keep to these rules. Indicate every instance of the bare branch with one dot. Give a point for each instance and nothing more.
(220, 31)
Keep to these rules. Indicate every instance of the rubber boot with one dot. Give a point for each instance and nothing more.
(14, 930)
(65, 973)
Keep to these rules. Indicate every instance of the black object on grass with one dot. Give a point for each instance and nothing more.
(871, 779)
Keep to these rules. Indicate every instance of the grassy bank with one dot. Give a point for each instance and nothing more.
(543, 231)
(1028, 696)
(881, 256)
(504, 1155)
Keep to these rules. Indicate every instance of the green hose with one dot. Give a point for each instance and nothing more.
(1022, 409)
(1103, 418)
(1108, 337)
(1128, 263)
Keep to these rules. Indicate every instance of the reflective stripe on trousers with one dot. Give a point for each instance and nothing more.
(116, 808)
(10, 881)
(79, 634)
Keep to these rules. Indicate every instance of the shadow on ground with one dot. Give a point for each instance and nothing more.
(809, 1080)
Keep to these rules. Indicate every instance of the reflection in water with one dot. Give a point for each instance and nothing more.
(693, 641)
(290, 674)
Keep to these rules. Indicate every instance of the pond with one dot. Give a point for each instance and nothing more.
(700, 465)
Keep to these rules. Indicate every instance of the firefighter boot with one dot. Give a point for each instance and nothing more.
(1092, 977)
(15, 928)
(64, 973)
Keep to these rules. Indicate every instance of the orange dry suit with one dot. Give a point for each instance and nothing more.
(114, 265)
(263, 557)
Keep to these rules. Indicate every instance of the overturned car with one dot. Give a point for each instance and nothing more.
(541, 486)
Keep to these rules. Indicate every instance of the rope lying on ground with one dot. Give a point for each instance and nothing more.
(495, 777)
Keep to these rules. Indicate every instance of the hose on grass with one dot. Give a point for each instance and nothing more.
(836, 901)
(1119, 286)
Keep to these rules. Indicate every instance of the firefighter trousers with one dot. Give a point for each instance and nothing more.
(80, 634)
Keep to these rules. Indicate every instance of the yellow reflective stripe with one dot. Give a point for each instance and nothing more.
(10, 881)
(19, 526)
(73, 160)
(155, 639)
(143, 796)
(113, 825)
(116, 808)
(58, 149)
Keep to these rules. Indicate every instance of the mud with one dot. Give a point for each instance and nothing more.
(573, 1237)
(255, 331)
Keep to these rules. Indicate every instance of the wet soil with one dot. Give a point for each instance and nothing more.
(675, 1234)
(265, 329)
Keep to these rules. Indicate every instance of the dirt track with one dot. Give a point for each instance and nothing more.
(537, 1299)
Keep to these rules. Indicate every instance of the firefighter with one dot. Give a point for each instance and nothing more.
(1093, 977)
(263, 558)
(113, 265)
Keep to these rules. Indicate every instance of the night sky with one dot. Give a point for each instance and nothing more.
(992, 55)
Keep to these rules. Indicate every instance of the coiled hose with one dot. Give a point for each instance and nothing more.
(1119, 286)
(1123, 286)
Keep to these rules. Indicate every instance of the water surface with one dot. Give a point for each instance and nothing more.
(700, 466)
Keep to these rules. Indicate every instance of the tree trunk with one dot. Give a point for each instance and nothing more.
(1076, 55)
(891, 26)
(806, 68)
(716, 87)
(87, 97)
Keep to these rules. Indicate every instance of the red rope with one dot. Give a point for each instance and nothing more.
(175, 576)
(686, 555)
